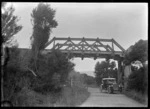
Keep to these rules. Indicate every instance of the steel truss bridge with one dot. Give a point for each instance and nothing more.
(86, 47)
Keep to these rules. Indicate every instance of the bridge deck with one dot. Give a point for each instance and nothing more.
(90, 54)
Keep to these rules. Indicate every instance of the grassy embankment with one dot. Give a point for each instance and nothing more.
(72, 96)
(68, 97)
(137, 96)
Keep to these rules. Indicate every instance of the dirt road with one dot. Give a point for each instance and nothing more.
(104, 99)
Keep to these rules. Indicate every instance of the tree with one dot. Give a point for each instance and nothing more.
(9, 24)
(9, 28)
(112, 71)
(137, 80)
(105, 69)
(53, 71)
(89, 80)
(100, 71)
(139, 51)
(43, 21)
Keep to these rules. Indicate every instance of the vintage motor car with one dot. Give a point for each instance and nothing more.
(110, 85)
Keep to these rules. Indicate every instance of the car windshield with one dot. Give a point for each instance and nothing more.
(111, 81)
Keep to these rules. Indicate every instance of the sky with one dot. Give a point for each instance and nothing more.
(124, 22)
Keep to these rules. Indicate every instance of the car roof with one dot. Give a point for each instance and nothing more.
(108, 78)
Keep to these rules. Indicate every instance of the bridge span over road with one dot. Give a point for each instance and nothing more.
(88, 48)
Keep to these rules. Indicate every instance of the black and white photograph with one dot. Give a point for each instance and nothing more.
(74, 54)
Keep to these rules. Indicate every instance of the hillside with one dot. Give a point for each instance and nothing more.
(90, 73)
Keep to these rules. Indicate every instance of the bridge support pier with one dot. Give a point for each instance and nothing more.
(120, 71)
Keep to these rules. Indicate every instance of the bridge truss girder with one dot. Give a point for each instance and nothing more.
(85, 49)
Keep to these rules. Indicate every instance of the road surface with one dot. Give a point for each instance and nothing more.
(104, 99)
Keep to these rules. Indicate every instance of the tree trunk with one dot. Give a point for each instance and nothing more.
(2, 82)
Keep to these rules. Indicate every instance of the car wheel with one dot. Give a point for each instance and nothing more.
(112, 91)
(108, 90)
(100, 89)
(120, 89)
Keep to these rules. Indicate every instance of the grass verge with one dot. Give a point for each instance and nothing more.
(137, 96)
(68, 97)
(72, 97)
(29, 98)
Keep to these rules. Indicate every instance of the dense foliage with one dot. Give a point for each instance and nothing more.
(10, 68)
(53, 71)
(9, 26)
(139, 51)
(105, 69)
(138, 79)
(15, 78)
(50, 71)
(88, 80)
(43, 21)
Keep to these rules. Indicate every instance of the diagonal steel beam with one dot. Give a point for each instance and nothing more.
(68, 47)
(68, 40)
(101, 45)
(110, 48)
(118, 45)
(80, 44)
(84, 40)
(61, 45)
(90, 46)
(48, 43)
(74, 43)
(98, 41)
(55, 46)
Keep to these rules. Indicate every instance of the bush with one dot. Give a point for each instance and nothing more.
(27, 97)
(136, 96)
(52, 72)
(11, 75)
(137, 81)
(15, 78)
(15, 82)
(72, 96)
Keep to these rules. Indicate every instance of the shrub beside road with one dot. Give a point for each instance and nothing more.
(137, 96)
(74, 96)
(137, 82)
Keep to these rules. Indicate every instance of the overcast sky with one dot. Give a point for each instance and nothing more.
(125, 22)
